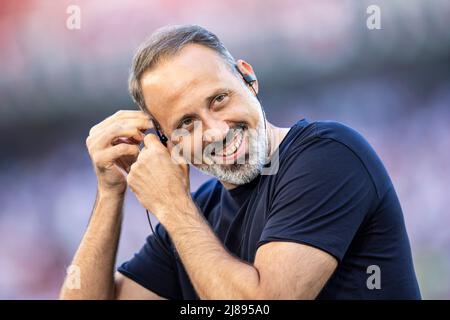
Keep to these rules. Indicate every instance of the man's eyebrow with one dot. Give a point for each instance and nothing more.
(206, 101)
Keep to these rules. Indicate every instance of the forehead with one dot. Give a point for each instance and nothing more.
(191, 74)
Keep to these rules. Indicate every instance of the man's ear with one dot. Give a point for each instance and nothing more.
(246, 69)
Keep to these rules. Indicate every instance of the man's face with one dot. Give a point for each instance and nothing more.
(208, 112)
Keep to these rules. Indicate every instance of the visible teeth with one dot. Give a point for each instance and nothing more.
(230, 149)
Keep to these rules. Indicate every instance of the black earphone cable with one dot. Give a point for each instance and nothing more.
(156, 235)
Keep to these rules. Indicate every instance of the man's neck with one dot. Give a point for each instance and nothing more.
(274, 137)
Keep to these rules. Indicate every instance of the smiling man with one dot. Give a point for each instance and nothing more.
(292, 213)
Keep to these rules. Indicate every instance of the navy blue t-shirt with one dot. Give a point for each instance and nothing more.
(331, 191)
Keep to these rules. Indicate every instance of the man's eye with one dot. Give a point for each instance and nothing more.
(186, 122)
(220, 97)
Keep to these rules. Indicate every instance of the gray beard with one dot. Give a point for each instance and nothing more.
(236, 173)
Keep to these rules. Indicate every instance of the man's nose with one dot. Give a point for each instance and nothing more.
(215, 130)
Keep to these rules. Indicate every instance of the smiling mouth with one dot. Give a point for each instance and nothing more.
(233, 144)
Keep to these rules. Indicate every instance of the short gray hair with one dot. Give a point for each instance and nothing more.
(165, 42)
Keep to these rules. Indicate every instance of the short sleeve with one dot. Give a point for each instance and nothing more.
(323, 194)
(154, 266)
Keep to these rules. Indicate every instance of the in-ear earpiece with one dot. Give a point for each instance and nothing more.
(248, 78)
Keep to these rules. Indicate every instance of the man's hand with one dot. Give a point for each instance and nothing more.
(113, 146)
(157, 180)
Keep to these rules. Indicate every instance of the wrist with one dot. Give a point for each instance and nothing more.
(107, 211)
(110, 194)
(178, 211)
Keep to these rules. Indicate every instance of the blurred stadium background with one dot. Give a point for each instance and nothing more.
(314, 59)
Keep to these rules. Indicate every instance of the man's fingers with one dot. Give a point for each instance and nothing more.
(122, 116)
(119, 135)
(116, 152)
(150, 139)
(141, 123)
(129, 140)
(153, 146)
(127, 132)
(127, 114)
